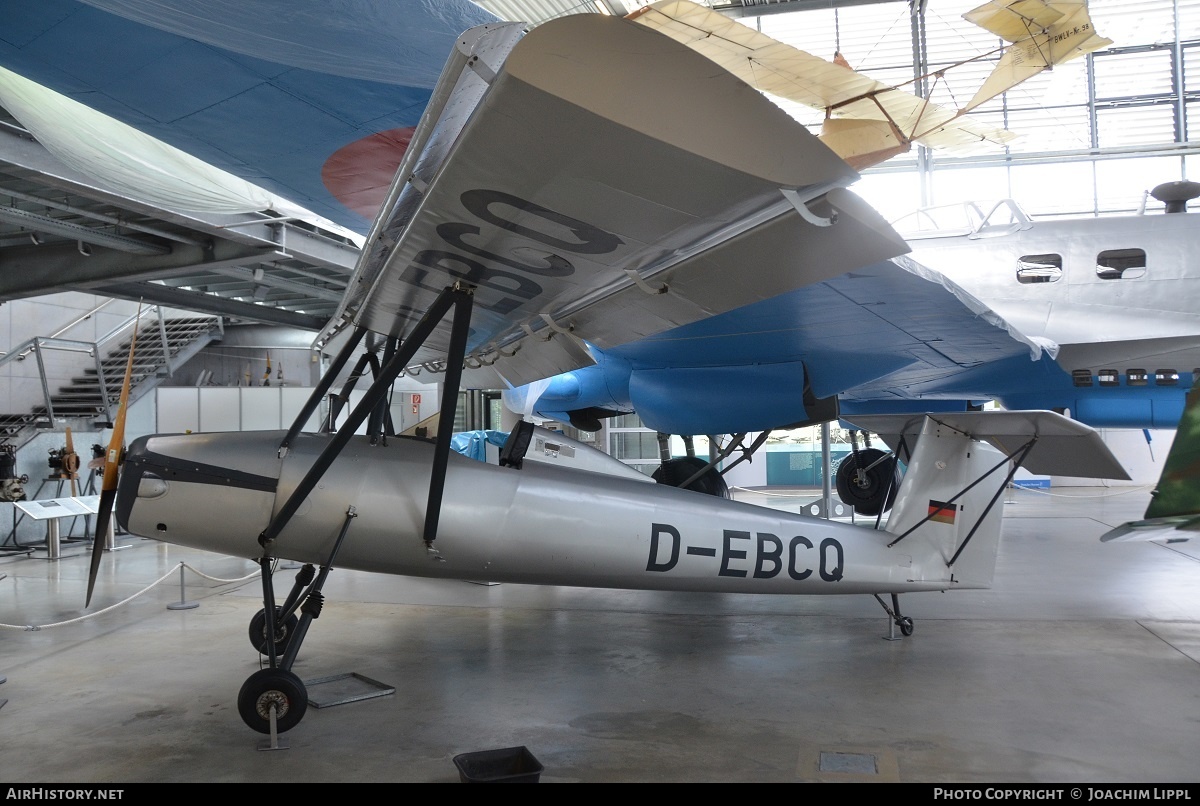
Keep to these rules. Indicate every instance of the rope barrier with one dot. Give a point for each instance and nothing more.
(157, 582)
(805, 494)
(1139, 489)
(817, 493)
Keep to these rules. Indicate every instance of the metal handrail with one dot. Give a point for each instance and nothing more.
(125, 324)
(23, 354)
(38, 344)
(83, 318)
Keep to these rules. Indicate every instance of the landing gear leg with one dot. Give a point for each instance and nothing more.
(273, 700)
(896, 620)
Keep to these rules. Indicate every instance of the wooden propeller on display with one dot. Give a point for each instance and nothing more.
(112, 460)
(70, 464)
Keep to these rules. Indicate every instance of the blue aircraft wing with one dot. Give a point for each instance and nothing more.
(887, 336)
(314, 100)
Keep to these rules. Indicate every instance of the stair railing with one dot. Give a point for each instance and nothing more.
(39, 344)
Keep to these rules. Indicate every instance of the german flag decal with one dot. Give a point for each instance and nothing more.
(942, 512)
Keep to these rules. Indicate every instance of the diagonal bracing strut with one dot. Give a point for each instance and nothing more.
(459, 297)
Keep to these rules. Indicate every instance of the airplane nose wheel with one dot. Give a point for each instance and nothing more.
(272, 689)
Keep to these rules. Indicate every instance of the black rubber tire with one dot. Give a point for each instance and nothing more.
(867, 498)
(676, 471)
(272, 686)
(284, 631)
(906, 625)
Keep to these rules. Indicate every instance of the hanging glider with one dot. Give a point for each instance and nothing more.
(1042, 35)
(867, 121)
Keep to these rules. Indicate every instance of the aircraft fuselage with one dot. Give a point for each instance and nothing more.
(540, 524)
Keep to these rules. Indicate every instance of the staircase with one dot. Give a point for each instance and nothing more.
(162, 346)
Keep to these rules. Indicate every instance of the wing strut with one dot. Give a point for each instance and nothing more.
(322, 387)
(445, 431)
(379, 426)
(338, 402)
(458, 297)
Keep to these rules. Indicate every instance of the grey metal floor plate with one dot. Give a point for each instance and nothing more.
(326, 692)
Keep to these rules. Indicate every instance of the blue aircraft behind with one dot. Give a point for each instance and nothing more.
(1092, 317)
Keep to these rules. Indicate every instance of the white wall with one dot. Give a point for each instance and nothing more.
(179, 409)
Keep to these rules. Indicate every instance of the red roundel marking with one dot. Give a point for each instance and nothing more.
(359, 174)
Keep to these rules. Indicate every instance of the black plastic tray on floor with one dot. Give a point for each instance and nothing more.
(508, 765)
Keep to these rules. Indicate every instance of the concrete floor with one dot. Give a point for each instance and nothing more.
(1082, 664)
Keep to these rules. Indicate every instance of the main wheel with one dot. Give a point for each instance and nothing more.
(906, 625)
(676, 471)
(275, 688)
(865, 492)
(283, 631)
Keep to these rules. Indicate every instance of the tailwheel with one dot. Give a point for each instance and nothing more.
(269, 689)
(283, 631)
(905, 623)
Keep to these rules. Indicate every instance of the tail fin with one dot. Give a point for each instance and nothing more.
(1174, 510)
(950, 528)
(947, 511)
(1042, 35)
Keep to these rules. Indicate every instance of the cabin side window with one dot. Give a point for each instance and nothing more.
(1039, 268)
(1121, 264)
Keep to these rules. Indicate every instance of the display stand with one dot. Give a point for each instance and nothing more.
(53, 510)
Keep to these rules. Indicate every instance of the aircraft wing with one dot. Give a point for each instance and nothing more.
(313, 100)
(603, 200)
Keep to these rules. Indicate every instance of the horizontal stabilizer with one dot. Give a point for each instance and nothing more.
(1063, 447)
(1171, 530)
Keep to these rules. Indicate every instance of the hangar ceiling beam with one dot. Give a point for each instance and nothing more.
(89, 235)
(757, 8)
(208, 303)
(60, 229)
(259, 277)
(32, 270)
(302, 243)
(116, 221)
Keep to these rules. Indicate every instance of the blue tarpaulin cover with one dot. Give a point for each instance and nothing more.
(474, 443)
